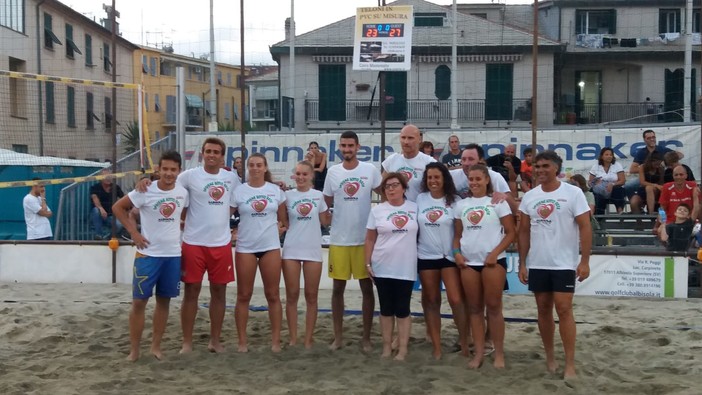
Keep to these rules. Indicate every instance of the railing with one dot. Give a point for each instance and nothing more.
(621, 113)
(438, 111)
(73, 212)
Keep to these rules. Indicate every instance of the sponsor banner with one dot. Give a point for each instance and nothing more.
(636, 276)
(383, 38)
(578, 148)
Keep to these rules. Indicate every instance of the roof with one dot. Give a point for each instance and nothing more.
(473, 32)
(12, 158)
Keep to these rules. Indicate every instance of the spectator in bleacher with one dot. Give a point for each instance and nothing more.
(508, 165)
(678, 192)
(101, 198)
(579, 181)
(676, 235)
(672, 160)
(427, 147)
(452, 159)
(651, 181)
(525, 170)
(607, 182)
(649, 137)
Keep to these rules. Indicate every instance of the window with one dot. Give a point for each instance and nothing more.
(669, 21)
(595, 21)
(170, 109)
(229, 79)
(219, 77)
(239, 81)
(90, 116)
(332, 90)
(50, 110)
(88, 50)
(499, 87)
(144, 65)
(71, 106)
(107, 64)
(696, 20)
(108, 114)
(152, 67)
(442, 82)
(146, 101)
(49, 37)
(20, 148)
(227, 112)
(429, 19)
(157, 103)
(12, 16)
(18, 90)
(71, 47)
(167, 68)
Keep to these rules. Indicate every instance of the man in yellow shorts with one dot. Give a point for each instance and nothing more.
(348, 187)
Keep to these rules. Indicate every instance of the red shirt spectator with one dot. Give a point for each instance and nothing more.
(679, 191)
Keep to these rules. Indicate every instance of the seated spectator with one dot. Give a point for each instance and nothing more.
(508, 165)
(526, 170)
(607, 182)
(579, 181)
(101, 199)
(676, 235)
(651, 181)
(678, 192)
(427, 147)
(671, 160)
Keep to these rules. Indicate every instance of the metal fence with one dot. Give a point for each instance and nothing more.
(73, 213)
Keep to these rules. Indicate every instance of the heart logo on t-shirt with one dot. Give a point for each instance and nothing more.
(475, 216)
(304, 209)
(351, 188)
(545, 210)
(259, 205)
(400, 221)
(408, 174)
(167, 209)
(434, 215)
(216, 192)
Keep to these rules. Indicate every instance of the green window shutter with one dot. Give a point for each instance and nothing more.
(50, 111)
(71, 106)
(499, 87)
(442, 82)
(579, 15)
(332, 92)
(88, 50)
(612, 21)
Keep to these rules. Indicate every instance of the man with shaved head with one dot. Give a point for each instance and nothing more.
(508, 165)
(677, 192)
(410, 161)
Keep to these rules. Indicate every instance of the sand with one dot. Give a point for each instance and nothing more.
(72, 338)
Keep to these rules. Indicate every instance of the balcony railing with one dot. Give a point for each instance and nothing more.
(621, 113)
(439, 111)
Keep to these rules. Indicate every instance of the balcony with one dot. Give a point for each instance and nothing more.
(426, 112)
(264, 115)
(621, 113)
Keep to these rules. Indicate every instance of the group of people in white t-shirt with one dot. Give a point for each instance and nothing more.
(448, 226)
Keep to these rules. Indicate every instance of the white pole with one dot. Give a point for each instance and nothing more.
(212, 126)
(140, 104)
(180, 110)
(291, 110)
(687, 90)
(454, 69)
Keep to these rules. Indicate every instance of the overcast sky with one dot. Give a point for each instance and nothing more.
(185, 23)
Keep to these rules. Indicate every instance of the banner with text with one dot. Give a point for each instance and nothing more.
(383, 38)
(578, 148)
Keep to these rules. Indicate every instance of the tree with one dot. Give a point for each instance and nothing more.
(130, 137)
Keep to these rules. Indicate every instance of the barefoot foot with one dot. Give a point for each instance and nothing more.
(366, 346)
(156, 352)
(133, 356)
(215, 348)
(551, 366)
(275, 347)
(186, 348)
(335, 345)
(401, 355)
(499, 361)
(476, 362)
(242, 348)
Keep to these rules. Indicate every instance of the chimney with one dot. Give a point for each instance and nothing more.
(287, 29)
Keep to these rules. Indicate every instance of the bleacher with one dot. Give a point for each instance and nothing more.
(625, 230)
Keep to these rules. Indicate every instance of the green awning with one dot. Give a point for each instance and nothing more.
(193, 101)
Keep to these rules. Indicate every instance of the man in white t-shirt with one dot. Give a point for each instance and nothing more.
(207, 240)
(410, 162)
(37, 213)
(348, 187)
(157, 261)
(474, 154)
(555, 221)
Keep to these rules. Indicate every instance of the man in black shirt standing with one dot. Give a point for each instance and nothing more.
(452, 159)
(101, 198)
(508, 165)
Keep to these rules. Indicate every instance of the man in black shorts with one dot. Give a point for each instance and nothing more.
(555, 221)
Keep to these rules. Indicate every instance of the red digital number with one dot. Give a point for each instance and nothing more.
(371, 33)
(395, 32)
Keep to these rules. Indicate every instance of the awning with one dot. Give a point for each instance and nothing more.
(193, 101)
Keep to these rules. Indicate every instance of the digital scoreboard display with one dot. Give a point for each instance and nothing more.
(384, 30)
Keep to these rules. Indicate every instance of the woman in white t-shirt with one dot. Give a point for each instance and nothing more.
(261, 206)
(391, 259)
(302, 250)
(607, 180)
(435, 263)
(483, 232)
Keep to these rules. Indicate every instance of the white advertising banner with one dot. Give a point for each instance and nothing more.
(636, 276)
(578, 148)
(383, 38)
